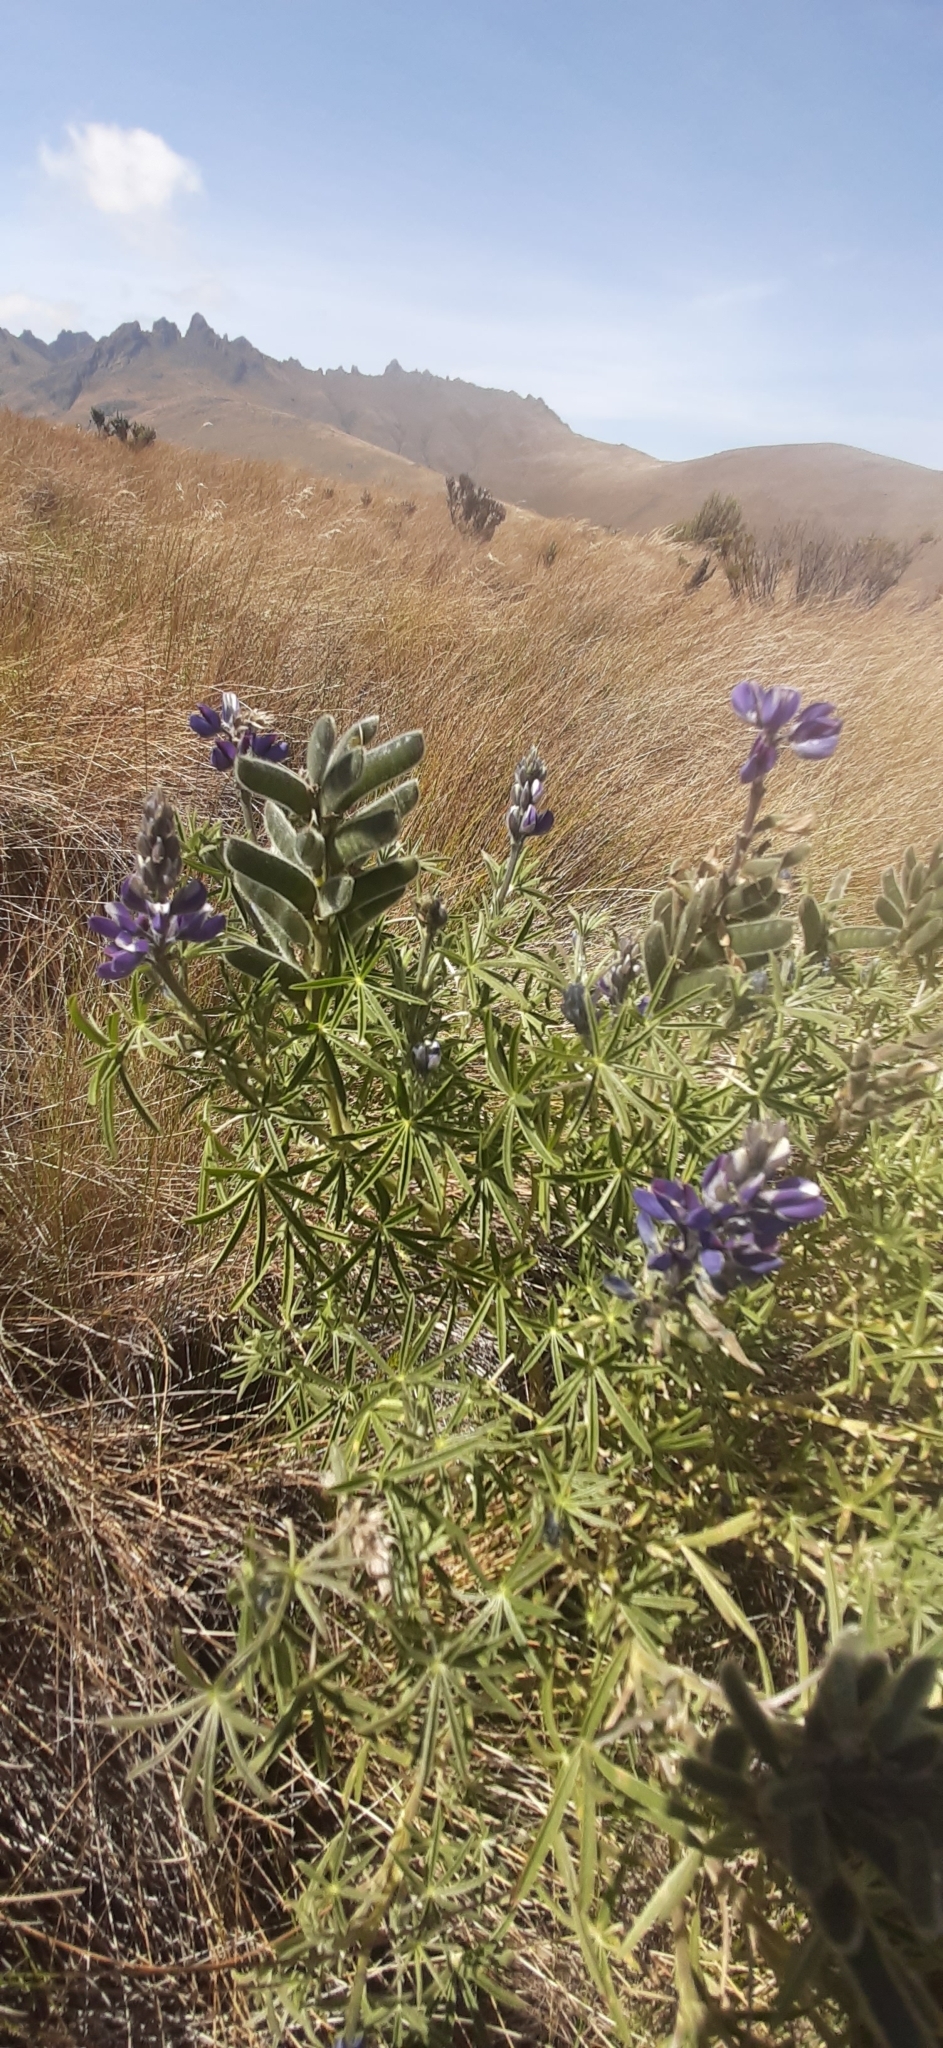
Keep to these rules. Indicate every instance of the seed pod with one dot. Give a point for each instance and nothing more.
(908, 1693)
(394, 874)
(341, 778)
(389, 882)
(766, 935)
(251, 863)
(926, 936)
(366, 832)
(334, 895)
(269, 779)
(655, 953)
(861, 938)
(280, 831)
(384, 764)
(311, 849)
(320, 748)
(891, 889)
(283, 923)
(814, 927)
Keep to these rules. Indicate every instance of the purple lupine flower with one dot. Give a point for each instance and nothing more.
(726, 1233)
(151, 914)
(524, 820)
(236, 731)
(776, 713)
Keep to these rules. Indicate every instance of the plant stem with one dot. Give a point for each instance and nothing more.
(507, 878)
(745, 834)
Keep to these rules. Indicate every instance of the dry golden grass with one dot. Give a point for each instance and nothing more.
(130, 588)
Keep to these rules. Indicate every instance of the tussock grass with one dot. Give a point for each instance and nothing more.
(132, 586)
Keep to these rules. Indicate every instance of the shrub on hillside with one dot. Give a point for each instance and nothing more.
(524, 1228)
(822, 565)
(472, 508)
(117, 427)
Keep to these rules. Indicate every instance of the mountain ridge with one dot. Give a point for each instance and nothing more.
(408, 427)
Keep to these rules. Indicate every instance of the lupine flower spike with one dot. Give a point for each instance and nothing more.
(779, 721)
(151, 915)
(234, 730)
(726, 1233)
(524, 819)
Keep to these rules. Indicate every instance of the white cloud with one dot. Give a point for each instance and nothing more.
(18, 309)
(126, 171)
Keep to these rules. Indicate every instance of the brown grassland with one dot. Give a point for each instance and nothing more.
(132, 586)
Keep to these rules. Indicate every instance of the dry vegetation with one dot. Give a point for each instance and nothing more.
(131, 586)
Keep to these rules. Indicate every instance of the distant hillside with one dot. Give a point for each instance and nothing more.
(405, 428)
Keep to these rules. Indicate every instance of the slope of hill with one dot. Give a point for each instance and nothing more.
(406, 427)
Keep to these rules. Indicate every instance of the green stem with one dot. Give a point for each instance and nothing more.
(165, 972)
(745, 834)
(364, 1927)
(510, 868)
(248, 818)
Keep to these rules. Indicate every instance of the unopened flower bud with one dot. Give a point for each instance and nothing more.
(427, 1056)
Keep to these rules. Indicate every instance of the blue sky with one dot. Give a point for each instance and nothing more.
(688, 226)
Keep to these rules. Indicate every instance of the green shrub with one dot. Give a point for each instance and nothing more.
(595, 1388)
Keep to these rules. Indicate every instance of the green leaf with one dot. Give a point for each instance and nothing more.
(550, 1825)
(254, 960)
(284, 878)
(270, 779)
(672, 1890)
(716, 1591)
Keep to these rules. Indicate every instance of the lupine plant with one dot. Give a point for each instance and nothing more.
(567, 1259)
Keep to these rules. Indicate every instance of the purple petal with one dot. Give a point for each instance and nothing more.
(117, 968)
(205, 720)
(191, 897)
(104, 927)
(761, 759)
(614, 1284)
(223, 754)
(544, 822)
(713, 1263)
(745, 701)
(267, 746)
